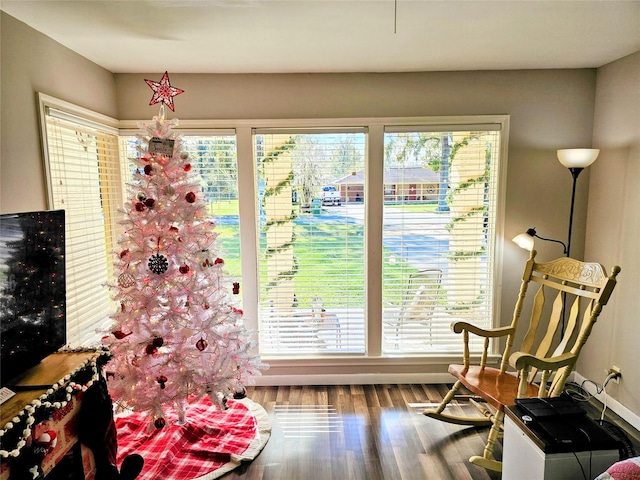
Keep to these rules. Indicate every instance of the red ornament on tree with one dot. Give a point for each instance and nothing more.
(126, 280)
(151, 349)
(190, 197)
(148, 169)
(236, 288)
(162, 380)
(184, 269)
(139, 206)
(159, 422)
(187, 167)
(201, 344)
(158, 342)
(150, 202)
(119, 334)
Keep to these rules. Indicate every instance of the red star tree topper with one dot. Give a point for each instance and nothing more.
(163, 91)
(177, 334)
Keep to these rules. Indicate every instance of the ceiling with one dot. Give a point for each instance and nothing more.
(282, 36)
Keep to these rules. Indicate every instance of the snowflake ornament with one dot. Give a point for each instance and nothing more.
(158, 264)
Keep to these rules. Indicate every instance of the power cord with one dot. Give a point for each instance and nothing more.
(580, 394)
(584, 396)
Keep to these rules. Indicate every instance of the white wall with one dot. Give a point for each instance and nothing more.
(613, 227)
(32, 62)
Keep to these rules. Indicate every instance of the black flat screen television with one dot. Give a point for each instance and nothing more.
(32, 290)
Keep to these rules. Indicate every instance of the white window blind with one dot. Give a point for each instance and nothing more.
(84, 179)
(440, 202)
(311, 225)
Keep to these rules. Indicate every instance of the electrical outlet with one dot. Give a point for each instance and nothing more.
(614, 370)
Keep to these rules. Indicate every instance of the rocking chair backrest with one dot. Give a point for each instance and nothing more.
(574, 293)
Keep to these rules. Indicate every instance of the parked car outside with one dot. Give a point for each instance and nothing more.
(330, 195)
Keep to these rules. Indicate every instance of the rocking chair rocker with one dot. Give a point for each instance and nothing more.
(547, 354)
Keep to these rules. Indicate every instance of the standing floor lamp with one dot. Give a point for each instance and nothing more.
(576, 160)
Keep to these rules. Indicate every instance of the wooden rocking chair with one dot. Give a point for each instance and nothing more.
(547, 354)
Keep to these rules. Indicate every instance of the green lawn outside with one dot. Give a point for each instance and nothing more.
(414, 207)
(343, 281)
(316, 260)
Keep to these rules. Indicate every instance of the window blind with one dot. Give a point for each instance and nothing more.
(311, 223)
(440, 199)
(84, 179)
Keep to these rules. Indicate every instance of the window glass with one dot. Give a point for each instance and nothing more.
(438, 236)
(311, 248)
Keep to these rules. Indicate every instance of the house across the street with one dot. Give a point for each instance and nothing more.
(412, 184)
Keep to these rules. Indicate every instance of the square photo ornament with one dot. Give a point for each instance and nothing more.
(160, 146)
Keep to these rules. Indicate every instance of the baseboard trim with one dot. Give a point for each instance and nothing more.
(612, 403)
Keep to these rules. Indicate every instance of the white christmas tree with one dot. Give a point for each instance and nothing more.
(177, 334)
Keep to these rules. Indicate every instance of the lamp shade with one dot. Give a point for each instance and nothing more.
(578, 157)
(524, 240)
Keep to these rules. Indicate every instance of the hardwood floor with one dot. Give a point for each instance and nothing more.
(358, 432)
(371, 432)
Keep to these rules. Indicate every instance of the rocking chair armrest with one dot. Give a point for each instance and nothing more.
(520, 360)
(459, 327)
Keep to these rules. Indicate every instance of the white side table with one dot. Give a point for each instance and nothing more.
(528, 456)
